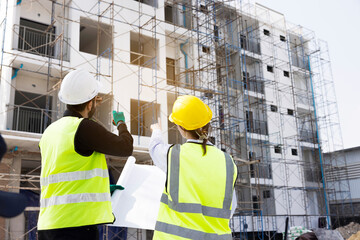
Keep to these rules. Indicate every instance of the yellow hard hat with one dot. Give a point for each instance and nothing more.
(190, 112)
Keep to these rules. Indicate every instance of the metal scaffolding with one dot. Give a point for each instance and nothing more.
(267, 81)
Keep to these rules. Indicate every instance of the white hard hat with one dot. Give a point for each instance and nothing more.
(78, 87)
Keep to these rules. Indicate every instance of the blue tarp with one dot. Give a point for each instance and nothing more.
(31, 217)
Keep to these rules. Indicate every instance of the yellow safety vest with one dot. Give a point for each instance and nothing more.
(74, 189)
(196, 203)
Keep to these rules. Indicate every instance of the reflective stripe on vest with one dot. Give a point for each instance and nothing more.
(74, 198)
(194, 207)
(73, 176)
(189, 233)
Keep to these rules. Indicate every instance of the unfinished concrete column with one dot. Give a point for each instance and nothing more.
(5, 167)
(16, 224)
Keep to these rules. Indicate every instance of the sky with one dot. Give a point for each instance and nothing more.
(338, 23)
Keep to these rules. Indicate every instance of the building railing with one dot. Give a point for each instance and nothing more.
(261, 170)
(312, 175)
(249, 45)
(299, 61)
(251, 84)
(257, 126)
(41, 43)
(175, 16)
(29, 119)
(308, 136)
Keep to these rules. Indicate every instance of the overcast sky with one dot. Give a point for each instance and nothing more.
(338, 23)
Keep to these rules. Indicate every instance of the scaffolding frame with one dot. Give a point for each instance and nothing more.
(224, 43)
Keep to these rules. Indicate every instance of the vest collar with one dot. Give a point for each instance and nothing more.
(69, 113)
(198, 141)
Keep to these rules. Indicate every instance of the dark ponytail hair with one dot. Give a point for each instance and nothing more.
(204, 146)
(202, 134)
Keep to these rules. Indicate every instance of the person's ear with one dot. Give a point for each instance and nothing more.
(89, 105)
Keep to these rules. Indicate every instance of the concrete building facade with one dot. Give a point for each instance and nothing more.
(262, 76)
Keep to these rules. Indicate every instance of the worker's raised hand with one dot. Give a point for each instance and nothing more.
(155, 126)
(118, 117)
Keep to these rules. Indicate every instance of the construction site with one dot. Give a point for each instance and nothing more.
(267, 81)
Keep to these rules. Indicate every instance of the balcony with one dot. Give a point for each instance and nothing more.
(261, 170)
(308, 136)
(39, 42)
(257, 126)
(299, 60)
(249, 45)
(179, 15)
(312, 175)
(29, 119)
(253, 85)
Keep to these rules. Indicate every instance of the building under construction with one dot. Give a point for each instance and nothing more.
(268, 82)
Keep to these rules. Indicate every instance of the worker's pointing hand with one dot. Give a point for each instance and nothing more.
(117, 117)
(155, 126)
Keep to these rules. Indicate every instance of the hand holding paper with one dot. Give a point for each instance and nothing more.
(137, 206)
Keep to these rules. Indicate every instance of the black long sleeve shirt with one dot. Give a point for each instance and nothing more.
(91, 136)
(2, 147)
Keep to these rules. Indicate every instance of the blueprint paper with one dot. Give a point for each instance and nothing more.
(137, 206)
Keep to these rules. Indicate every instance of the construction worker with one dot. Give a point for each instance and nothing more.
(198, 199)
(75, 195)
